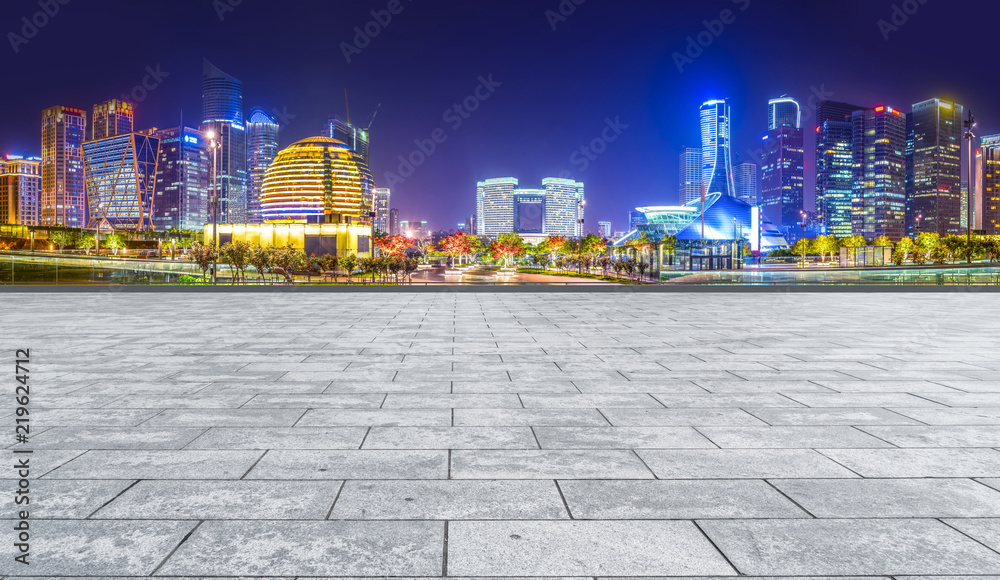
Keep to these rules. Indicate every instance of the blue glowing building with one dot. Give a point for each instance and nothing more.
(121, 180)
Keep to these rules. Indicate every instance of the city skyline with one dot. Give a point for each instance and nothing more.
(638, 167)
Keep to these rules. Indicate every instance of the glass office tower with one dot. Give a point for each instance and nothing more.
(63, 199)
(112, 118)
(879, 160)
(690, 174)
(937, 163)
(262, 147)
(222, 115)
(121, 180)
(183, 173)
(717, 166)
(834, 166)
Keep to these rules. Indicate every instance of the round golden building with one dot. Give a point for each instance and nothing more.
(314, 181)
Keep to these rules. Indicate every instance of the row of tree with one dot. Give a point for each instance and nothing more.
(925, 248)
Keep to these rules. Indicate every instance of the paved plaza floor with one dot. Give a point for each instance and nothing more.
(521, 434)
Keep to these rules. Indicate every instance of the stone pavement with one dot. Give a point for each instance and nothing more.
(508, 435)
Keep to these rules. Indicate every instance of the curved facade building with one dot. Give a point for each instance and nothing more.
(262, 147)
(313, 178)
(221, 96)
(783, 112)
(717, 165)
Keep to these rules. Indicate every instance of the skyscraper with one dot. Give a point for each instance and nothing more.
(495, 206)
(717, 166)
(691, 168)
(262, 147)
(745, 179)
(121, 180)
(393, 222)
(355, 138)
(783, 169)
(637, 218)
(564, 204)
(990, 184)
(834, 166)
(63, 198)
(222, 120)
(20, 183)
(382, 196)
(183, 174)
(112, 118)
(604, 229)
(937, 174)
(879, 159)
(783, 111)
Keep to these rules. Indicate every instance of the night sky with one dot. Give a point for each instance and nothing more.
(606, 60)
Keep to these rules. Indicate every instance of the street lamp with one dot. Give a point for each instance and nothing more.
(969, 124)
(214, 200)
(803, 214)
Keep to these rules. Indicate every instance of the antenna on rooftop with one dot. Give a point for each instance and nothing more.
(348, 105)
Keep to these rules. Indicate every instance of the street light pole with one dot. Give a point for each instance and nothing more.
(214, 202)
(970, 124)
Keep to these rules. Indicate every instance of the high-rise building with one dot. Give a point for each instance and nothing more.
(717, 165)
(990, 184)
(355, 138)
(112, 118)
(560, 209)
(222, 120)
(20, 184)
(690, 174)
(564, 205)
(783, 178)
(782, 112)
(495, 206)
(745, 179)
(382, 196)
(262, 147)
(183, 175)
(834, 166)
(604, 229)
(121, 180)
(879, 159)
(63, 199)
(937, 162)
(977, 191)
(469, 229)
(393, 222)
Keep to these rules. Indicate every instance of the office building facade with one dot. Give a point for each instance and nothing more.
(989, 184)
(564, 206)
(222, 119)
(879, 163)
(783, 178)
(835, 166)
(783, 112)
(20, 185)
(393, 222)
(745, 180)
(63, 199)
(262, 147)
(355, 138)
(937, 162)
(690, 174)
(112, 118)
(381, 204)
(604, 230)
(561, 209)
(183, 175)
(717, 166)
(121, 181)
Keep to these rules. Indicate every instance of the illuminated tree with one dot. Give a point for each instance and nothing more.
(507, 247)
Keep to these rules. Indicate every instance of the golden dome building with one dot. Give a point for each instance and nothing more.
(313, 181)
(316, 196)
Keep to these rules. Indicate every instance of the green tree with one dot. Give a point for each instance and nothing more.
(61, 239)
(262, 259)
(905, 247)
(802, 247)
(203, 255)
(349, 262)
(882, 242)
(926, 242)
(114, 241)
(855, 241)
(237, 254)
(87, 242)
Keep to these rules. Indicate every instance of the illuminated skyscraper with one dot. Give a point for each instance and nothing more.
(393, 222)
(604, 229)
(563, 207)
(745, 179)
(222, 116)
(783, 167)
(717, 165)
(355, 138)
(20, 184)
(63, 199)
(783, 111)
(990, 184)
(382, 197)
(262, 146)
(879, 160)
(834, 166)
(183, 173)
(937, 175)
(495, 206)
(121, 180)
(112, 118)
(690, 174)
